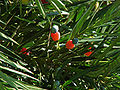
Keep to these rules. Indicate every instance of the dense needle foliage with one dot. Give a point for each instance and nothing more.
(31, 60)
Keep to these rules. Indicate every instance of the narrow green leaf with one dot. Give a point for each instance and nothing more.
(25, 20)
(67, 83)
(17, 72)
(18, 83)
(4, 59)
(20, 8)
(10, 9)
(59, 3)
(80, 23)
(12, 82)
(40, 8)
(106, 14)
(2, 22)
(70, 17)
(80, 13)
(111, 45)
(9, 52)
(9, 81)
(90, 40)
(5, 37)
(69, 1)
(2, 87)
(56, 7)
(33, 87)
(112, 66)
(27, 45)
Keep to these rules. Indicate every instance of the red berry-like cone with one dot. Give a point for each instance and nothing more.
(88, 53)
(23, 50)
(55, 36)
(69, 45)
(27, 53)
(90, 48)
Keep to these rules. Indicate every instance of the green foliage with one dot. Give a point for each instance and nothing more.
(49, 64)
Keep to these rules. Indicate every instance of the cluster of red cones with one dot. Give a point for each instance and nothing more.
(23, 51)
(70, 44)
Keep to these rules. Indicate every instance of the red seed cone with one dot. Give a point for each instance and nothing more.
(90, 48)
(70, 45)
(27, 53)
(88, 53)
(55, 36)
(23, 51)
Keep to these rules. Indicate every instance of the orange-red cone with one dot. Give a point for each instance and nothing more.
(90, 48)
(55, 36)
(88, 53)
(23, 51)
(70, 45)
